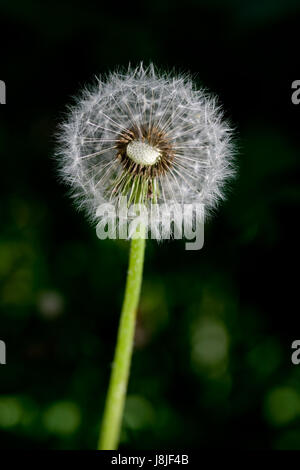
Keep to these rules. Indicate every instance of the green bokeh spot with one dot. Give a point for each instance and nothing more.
(62, 418)
(282, 405)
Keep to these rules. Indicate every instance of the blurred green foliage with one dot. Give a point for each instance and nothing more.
(211, 365)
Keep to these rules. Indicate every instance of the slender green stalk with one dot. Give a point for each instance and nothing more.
(114, 406)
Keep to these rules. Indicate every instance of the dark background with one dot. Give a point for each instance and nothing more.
(212, 363)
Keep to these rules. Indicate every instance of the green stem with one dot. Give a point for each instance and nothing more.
(114, 406)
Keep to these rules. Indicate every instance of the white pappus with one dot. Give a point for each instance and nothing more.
(152, 138)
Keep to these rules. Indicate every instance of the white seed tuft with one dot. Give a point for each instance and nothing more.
(147, 135)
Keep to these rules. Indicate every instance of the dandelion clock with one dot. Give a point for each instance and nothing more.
(137, 149)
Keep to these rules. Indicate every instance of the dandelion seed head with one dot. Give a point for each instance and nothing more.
(154, 138)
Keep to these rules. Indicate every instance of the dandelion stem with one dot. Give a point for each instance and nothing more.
(114, 406)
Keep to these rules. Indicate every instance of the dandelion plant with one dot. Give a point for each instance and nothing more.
(154, 139)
